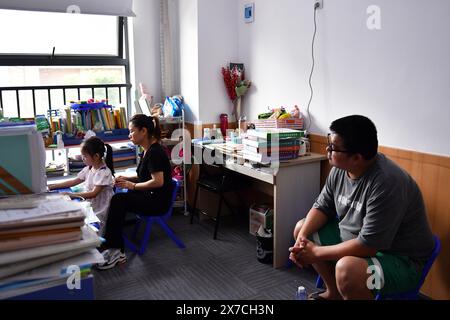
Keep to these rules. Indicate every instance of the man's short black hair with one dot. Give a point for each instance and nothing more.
(358, 133)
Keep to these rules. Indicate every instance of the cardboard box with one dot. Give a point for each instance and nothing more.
(260, 215)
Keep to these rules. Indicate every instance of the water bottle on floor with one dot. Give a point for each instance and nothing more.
(301, 293)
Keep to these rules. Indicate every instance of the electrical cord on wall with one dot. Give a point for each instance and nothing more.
(316, 6)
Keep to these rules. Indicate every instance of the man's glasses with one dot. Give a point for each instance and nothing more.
(331, 147)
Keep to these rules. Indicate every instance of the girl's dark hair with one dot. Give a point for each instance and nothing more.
(141, 121)
(95, 145)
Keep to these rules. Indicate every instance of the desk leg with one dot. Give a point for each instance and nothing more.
(295, 190)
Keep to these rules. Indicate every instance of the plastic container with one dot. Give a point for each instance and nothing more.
(264, 246)
(301, 293)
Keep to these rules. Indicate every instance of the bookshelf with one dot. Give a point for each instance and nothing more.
(123, 159)
(173, 133)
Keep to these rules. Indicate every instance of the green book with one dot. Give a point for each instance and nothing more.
(280, 133)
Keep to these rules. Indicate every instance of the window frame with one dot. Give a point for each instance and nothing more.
(121, 59)
(71, 60)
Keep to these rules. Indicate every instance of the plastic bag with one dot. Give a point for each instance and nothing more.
(173, 106)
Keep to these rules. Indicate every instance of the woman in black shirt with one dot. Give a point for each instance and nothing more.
(149, 193)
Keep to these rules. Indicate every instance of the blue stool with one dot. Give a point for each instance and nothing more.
(409, 295)
(414, 294)
(161, 220)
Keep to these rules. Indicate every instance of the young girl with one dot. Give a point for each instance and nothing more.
(97, 176)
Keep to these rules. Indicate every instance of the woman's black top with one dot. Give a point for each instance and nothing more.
(156, 160)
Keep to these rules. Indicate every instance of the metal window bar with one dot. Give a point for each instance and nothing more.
(63, 88)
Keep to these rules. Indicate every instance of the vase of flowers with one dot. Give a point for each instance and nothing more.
(236, 86)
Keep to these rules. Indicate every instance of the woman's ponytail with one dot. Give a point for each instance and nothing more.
(157, 128)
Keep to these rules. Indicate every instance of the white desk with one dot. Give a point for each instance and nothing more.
(295, 185)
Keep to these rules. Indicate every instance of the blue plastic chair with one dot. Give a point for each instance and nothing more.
(412, 294)
(150, 220)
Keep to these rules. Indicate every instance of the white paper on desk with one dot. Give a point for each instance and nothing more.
(57, 269)
(44, 208)
(90, 240)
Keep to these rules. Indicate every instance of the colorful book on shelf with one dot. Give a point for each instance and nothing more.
(123, 114)
(269, 150)
(68, 115)
(264, 143)
(123, 151)
(279, 133)
(123, 158)
(124, 163)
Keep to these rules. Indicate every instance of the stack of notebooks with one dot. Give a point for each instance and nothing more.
(55, 170)
(76, 164)
(124, 156)
(266, 146)
(41, 237)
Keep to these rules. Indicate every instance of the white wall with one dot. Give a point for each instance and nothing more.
(208, 41)
(188, 33)
(217, 47)
(398, 76)
(146, 56)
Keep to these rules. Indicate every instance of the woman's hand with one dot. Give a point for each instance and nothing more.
(123, 184)
(121, 178)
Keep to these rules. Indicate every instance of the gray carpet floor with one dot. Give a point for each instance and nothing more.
(222, 269)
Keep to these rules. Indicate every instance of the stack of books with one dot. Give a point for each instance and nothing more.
(55, 170)
(124, 156)
(266, 146)
(98, 116)
(42, 239)
(76, 164)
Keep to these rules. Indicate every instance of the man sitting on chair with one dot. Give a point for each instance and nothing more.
(367, 232)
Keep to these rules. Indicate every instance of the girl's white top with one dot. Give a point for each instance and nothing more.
(99, 177)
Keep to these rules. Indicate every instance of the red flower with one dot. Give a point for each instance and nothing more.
(232, 79)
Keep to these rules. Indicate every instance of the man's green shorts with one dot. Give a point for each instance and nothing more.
(398, 273)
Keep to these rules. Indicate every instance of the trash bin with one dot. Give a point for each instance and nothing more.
(264, 246)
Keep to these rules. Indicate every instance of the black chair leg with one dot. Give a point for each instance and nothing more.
(225, 201)
(195, 204)
(216, 228)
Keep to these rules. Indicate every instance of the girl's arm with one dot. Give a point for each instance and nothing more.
(88, 195)
(66, 184)
(157, 181)
(132, 179)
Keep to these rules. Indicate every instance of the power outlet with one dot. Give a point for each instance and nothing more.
(318, 4)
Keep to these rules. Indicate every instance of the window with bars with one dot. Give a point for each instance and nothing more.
(50, 59)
